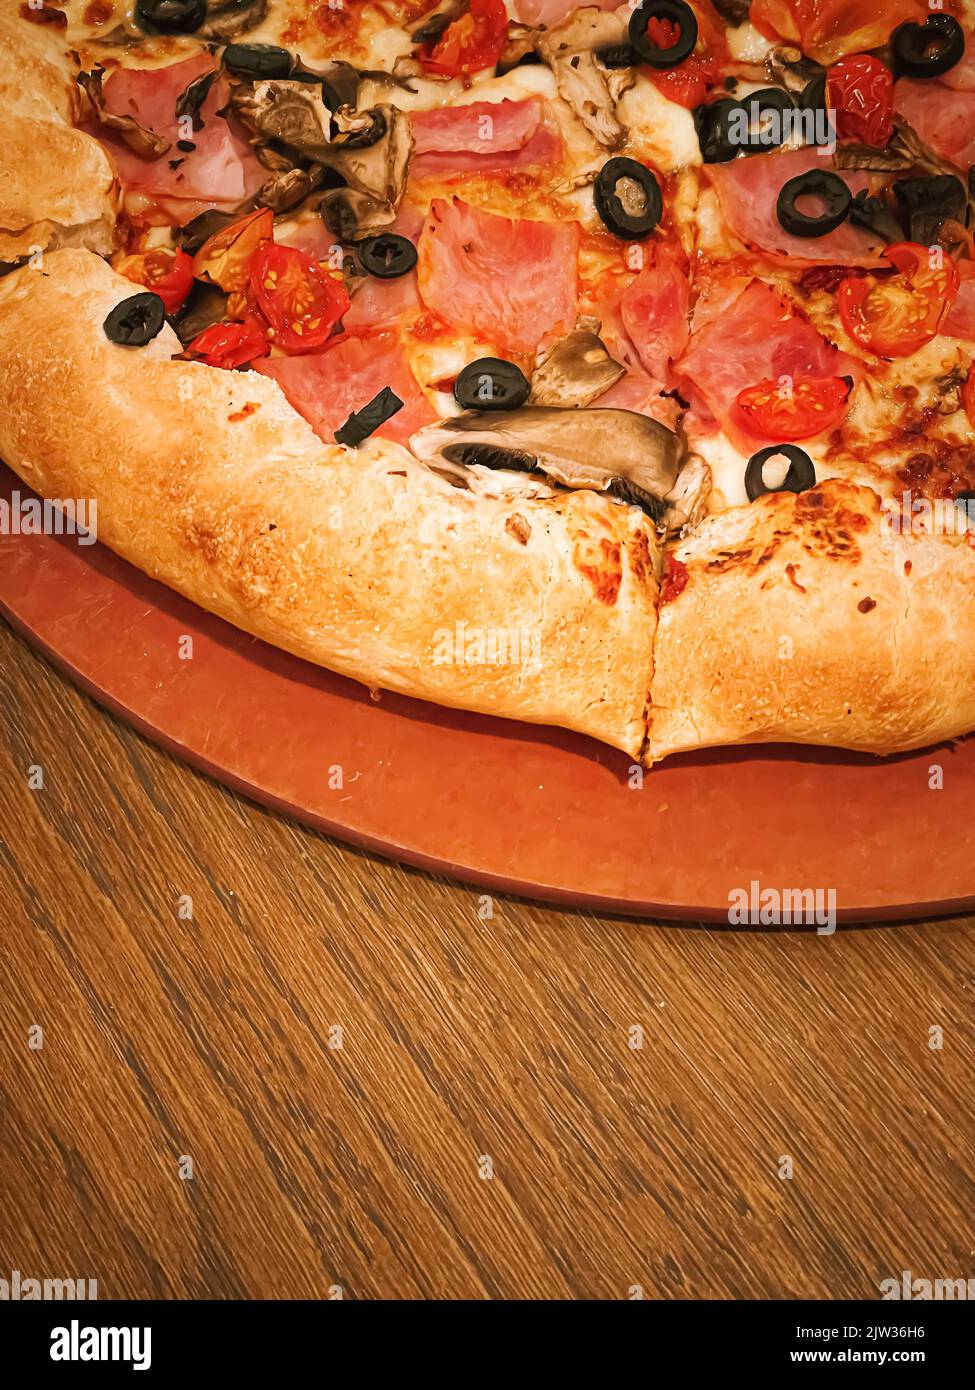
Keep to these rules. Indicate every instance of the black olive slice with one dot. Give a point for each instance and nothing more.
(816, 183)
(170, 16)
(362, 423)
(929, 49)
(683, 19)
(801, 474)
(713, 123)
(386, 256)
(261, 62)
(491, 383)
(628, 198)
(136, 321)
(769, 100)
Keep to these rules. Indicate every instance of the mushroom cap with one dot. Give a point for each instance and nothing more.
(590, 448)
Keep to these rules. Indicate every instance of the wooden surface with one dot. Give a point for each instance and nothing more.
(466, 1037)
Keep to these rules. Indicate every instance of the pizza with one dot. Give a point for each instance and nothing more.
(600, 366)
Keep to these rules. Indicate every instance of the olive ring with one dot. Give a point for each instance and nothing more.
(801, 474)
(818, 183)
(629, 223)
(680, 15)
(929, 49)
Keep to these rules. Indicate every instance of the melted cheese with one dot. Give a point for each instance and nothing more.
(661, 133)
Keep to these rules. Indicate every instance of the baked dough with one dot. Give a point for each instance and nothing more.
(362, 560)
(810, 619)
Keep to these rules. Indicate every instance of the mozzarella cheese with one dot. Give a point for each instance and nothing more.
(661, 133)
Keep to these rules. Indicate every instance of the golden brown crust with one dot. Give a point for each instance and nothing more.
(57, 185)
(363, 561)
(56, 189)
(36, 76)
(809, 619)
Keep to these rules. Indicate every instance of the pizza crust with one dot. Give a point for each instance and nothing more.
(363, 561)
(809, 619)
(57, 185)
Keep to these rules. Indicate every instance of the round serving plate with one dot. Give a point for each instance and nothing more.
(508, 806)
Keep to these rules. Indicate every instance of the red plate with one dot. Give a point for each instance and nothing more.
(510, 806)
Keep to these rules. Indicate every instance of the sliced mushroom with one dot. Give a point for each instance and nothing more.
(292, 113)
(789, 67)
(589, 88)
(350, 215)
(688, 498)
(577, 371)
(226, 19)
(616, 451)
(520, 46)
(139, 138)
(286, 189)
(379, 170)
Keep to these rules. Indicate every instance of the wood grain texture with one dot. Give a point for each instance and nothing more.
(360, 1166)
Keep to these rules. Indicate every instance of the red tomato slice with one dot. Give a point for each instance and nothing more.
(787, 409)
(860, 92)
(689, 82)
(229, 344)
(471, 43)
(225, 257)
(300, 300)
(167, 273)
(895, 316)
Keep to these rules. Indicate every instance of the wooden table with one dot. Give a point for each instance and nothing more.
(274, 1067)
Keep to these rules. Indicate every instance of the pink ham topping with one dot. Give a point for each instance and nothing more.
(757, 337)
(748, 191)
(327, 387)
(222, 168)
(943, 117)
(510, 282)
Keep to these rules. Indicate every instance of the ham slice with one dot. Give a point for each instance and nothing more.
(544, 147)
(326, 387)
(549, 12)
(757, 337)
(511, 282)
(959, 322)
(748, 190)
(943, 117)
(828, 29)
(482, 126)
(654, 311)
(221, 171)
(962, 75)
(381, 303)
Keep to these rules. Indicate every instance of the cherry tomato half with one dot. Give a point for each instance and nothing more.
(860, 93)
(786, 409)
(895, 316)
(167, 273)
(229, 344)
(471, 43)
(300, 299)
(225, 257)
(689, 82)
